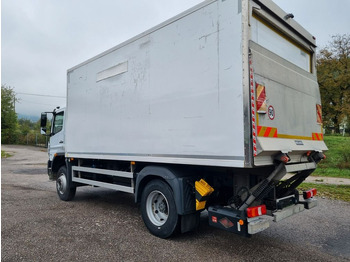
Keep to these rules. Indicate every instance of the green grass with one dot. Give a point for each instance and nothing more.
(5, 154)
(337, 163)
(338, 192)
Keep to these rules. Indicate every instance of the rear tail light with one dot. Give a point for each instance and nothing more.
(316, 157)
(256, 211)
(310, 193)
(282, 157)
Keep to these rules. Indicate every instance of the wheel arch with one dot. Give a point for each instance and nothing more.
(57, 162)
(176, 179)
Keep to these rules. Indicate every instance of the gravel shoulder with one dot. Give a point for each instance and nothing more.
(105, 225)
(325, 180)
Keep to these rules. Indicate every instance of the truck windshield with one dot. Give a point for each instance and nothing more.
(280, 44)
(58, 123)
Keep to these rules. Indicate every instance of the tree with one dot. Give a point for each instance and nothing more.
(8, 115)
(333, 67)
(26, 126)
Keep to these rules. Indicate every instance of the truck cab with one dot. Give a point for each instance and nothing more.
(56, 145)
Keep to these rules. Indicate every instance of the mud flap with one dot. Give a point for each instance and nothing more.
(190, 222)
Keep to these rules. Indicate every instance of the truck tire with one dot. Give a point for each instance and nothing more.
(65, 190)
(159, 210)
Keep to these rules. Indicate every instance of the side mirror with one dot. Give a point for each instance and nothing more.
(43, 130)
(43, 120)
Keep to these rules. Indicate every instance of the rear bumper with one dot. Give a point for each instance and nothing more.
(257, 225)
(293, 210)
(287, 212)
(309, 203)
(235, 221)
(300, 167)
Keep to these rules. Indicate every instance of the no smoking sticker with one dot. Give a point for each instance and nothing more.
(271, 112)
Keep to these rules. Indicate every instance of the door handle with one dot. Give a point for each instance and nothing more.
(61, 142)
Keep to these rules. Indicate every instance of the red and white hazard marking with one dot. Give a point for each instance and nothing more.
(319, 113)
(261, 105)
(252, 102)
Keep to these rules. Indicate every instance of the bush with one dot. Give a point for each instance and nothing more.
(31, 139)
(344, 153)
(337, 163)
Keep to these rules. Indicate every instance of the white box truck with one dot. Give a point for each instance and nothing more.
(206, 111)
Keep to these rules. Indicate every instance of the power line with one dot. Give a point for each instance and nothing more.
(19, 102)
(40, 95)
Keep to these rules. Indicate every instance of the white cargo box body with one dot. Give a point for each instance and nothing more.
(172, 94)
(181, 92)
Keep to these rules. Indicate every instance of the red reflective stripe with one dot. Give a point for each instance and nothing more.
(317, 136)
(259, 129)
(267, 132)
(275, 133)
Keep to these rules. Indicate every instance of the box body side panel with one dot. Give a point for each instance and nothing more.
(171, 96)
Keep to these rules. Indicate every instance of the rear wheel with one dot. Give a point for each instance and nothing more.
(64, 188)
(158, 209)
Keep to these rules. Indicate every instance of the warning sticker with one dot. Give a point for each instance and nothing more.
(261, 105)
(319, 113)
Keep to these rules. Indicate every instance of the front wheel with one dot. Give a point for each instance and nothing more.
(158, 209)
(64, 189)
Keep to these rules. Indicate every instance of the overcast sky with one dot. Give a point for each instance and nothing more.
(41, 39)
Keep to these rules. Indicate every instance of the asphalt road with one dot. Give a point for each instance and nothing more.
(105, 225)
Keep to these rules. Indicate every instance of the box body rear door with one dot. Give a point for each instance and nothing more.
(286, 104)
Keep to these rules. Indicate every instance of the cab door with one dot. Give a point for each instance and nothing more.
(56, 145)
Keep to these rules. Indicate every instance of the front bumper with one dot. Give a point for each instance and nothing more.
(49, 170)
